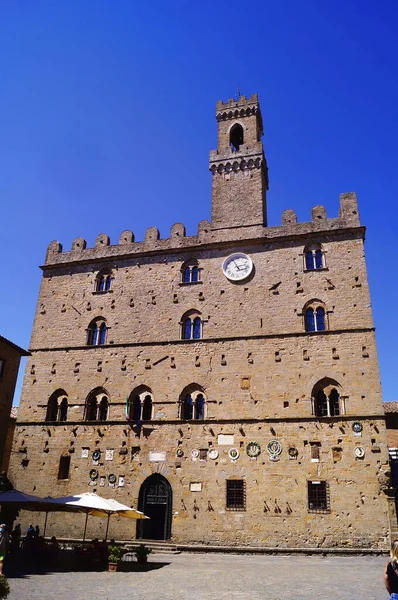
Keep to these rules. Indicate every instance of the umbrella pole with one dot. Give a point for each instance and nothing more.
(107, 527)
(45, 525)
(85, 528)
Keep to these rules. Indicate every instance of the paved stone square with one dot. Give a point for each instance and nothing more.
(217, 577)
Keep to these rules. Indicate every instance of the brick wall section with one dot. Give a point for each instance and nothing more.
(256, 365)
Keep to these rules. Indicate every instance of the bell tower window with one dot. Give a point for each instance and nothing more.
(236, 137)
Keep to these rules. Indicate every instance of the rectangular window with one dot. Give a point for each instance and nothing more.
(315, 451)
(64, 464)
(2, 363)
(236, 494)
(318, 497)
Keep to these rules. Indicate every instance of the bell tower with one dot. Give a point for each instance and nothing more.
(238, 166)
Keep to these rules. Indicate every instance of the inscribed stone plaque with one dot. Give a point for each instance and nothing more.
(195, 487)
(225, 439)
(157, 456)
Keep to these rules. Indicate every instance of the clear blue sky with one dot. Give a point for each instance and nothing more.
(107, 117)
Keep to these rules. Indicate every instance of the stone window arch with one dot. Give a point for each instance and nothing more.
(190, 271)
(97, 405)
(191, 326)
(192, 403)
(96, 332)
(327, 399)
(57, 406)
(315, 316)
(103, 281)
(314, 257)
(140, 404)
(236, 137)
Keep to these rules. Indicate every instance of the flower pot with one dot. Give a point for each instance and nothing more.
(142, 560)
(112, 566)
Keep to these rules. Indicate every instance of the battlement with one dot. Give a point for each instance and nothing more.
(241, 101)
(207, 236)
(238, 109)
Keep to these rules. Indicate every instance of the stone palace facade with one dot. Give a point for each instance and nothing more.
(225, 383)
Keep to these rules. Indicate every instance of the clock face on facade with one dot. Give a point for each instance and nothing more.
(237, 267)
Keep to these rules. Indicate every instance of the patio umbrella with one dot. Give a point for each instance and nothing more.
(22, 500)
(92, 504)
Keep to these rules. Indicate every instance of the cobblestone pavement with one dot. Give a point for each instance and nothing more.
(217, 577)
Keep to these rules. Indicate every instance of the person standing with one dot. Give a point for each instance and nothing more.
(3, 545)
(16, 538)
(391, 572)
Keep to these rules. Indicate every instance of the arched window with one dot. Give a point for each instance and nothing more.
(103, 281)
(140, 405)
(97, 405)
(191, 326)
(187, 407)
(192, 403)
(314, 257)
(199, 407)
(57, 406)
(314, 316)
(63, 410)
(147, 408)
(103, 409)
(236, 137)
(326, 399)
(96, 332)
(190, 272)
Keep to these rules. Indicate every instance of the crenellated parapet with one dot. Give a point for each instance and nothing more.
(207, 235)
(237, 109)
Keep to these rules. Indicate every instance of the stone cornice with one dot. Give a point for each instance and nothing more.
(197, 343)
(208, 422)
(235, 163)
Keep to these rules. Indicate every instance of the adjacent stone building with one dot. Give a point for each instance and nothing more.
(226, 383)
(10, 357)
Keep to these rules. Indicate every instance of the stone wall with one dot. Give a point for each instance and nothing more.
(255, 365)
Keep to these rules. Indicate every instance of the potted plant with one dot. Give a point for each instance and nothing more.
(141, 554)
(4, 587)
(114, 557)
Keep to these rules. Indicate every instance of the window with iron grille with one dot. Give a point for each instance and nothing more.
(318, 497)
(236, 494)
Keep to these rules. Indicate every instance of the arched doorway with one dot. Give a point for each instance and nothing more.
(155, 500)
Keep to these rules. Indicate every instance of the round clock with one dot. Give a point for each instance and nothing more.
(237, 267)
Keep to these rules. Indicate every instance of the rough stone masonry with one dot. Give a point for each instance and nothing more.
(226, 383)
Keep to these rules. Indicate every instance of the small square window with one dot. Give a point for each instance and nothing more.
(318, 497)
(236, 494)
(64, 464)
